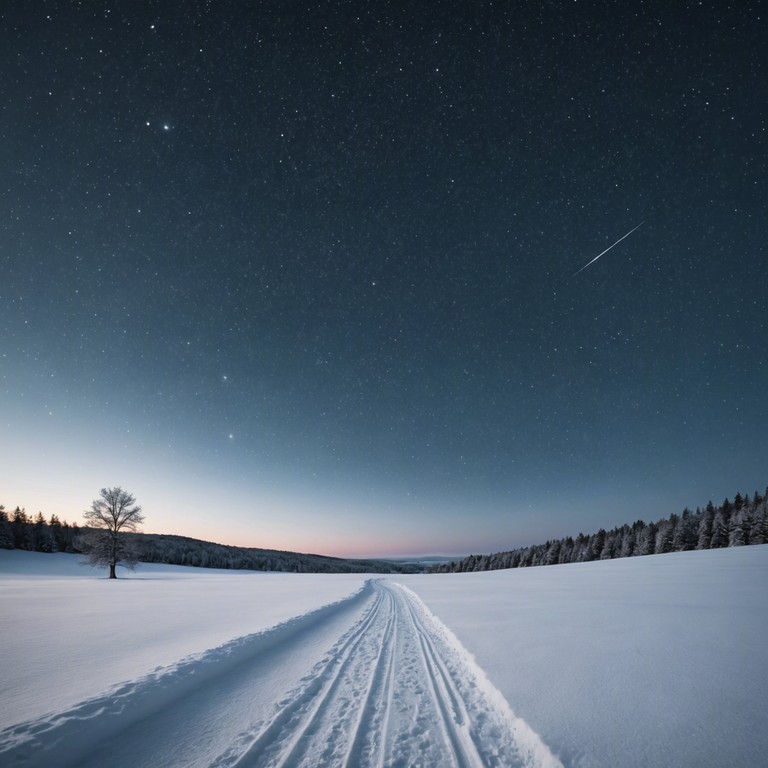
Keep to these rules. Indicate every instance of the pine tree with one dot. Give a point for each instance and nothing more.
(741, 525)
(726, 510)
(19, 526)
(611, 546)
(646, 540)
(684, 537)
(760, 528)
(627, 542)
(6, 540)
(705, 527)
(566, 551)
(595, 546)
(719, 531)
(55, 527)
(43, 537)
(666, 534)
(552, 555)
(580, 548)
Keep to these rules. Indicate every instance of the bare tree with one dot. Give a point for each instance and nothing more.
(110, 516)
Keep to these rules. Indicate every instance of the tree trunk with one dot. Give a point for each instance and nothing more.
(113, 555)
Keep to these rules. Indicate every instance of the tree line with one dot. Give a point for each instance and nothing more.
(736, 523)
(18, 530)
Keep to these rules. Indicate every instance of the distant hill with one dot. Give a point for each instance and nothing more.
(180, 550)
(426, 561)
(36, 534)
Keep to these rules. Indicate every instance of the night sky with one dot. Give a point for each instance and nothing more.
(302, 275)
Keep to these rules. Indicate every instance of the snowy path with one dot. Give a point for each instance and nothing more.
(392, 693)
(376, 681)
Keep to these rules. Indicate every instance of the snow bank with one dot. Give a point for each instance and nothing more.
(640, 662)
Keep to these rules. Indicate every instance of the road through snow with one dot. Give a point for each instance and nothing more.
(375, 680)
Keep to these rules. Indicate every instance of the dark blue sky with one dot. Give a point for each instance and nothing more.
(302, 274)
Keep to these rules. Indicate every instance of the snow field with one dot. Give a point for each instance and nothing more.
(371, 680)
(642, 662)
(648, 661)
(187, 713)
(68, 633)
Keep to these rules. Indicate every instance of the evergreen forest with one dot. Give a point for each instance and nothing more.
(734, 523)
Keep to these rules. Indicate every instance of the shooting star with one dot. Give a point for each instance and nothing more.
(606, 250)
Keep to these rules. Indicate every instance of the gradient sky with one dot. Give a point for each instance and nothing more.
(301, 275)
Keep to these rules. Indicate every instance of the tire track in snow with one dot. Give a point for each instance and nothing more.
(374, 681)
(285, 738)
(396, 691)
(379, 690)
(453, 714)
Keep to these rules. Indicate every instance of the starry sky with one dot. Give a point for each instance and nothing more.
(303, 274)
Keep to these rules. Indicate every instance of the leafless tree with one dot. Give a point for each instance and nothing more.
(110, 516)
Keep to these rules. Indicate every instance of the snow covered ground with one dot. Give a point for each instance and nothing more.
(69, 633)
(649, 661)
(641, 662)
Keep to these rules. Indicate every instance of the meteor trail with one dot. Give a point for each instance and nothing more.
(606, 250)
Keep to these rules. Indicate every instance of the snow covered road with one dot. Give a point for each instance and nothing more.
(375, 680)
(393, 692)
